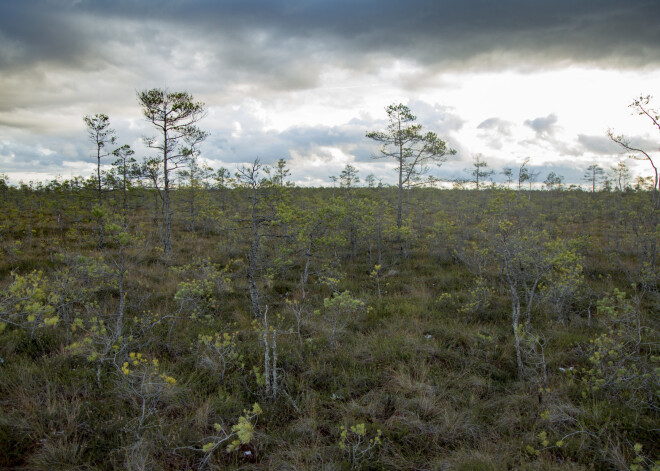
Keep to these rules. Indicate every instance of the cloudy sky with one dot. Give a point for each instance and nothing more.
(304, 80)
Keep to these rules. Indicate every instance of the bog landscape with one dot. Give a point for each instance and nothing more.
(163, 315)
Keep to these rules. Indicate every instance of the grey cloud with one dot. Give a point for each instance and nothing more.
(640, 142)
(546, 140)
(438, 118)
(493, 142)
(498, 125)
(494, 131)
(50, 155)
(598, 144)
(545, 128)
(347, 32)
(54, 53)
(269, 146)
(438, 31)
(62, 59)
(553, 145)
(544, 125)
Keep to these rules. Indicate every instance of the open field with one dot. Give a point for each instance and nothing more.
(293, 328)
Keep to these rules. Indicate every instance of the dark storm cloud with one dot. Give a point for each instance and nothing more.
(57, 52)
(267, 33)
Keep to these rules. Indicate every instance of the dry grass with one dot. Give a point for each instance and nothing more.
(441, 385)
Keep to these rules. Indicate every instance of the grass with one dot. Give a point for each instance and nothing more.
(440, 381)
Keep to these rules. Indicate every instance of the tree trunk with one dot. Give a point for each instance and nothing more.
(399, 206)
(274, 369)
(515, 320)
(167, 212)
(399, 209)
(122, 295)
(308, 256)
(253, 257)
(98, 175)
(252, 278)
(266, 354)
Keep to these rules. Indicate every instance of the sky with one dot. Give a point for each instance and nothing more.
(305, 80)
